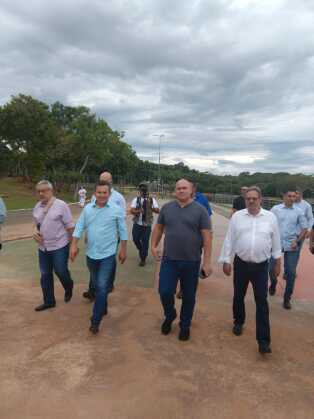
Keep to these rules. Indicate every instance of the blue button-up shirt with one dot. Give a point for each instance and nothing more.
(104, 225)
(201, 199)
(291, 221)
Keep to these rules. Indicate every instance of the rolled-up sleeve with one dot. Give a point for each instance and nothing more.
(276, 244)
(80, 225)
(122, 228)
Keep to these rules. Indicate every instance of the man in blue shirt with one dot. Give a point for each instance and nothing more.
(104, 223)
(3, 213)
(293, 228)
(201, 198)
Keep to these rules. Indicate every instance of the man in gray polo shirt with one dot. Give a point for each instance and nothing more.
(187, 230)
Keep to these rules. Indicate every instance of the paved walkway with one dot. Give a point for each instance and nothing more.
(53, 368)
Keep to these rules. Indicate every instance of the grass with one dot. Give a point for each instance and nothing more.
(18, 195)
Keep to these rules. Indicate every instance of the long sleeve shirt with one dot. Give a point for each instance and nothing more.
(254, 238)
(104, 225)
(3, 211)
(291, 222)
(307, 211)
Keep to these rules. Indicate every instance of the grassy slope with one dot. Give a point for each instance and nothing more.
(17, 195)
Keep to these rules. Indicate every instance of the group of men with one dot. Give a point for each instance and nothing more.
(254, 243)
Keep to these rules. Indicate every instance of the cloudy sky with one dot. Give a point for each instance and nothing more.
(229, 84)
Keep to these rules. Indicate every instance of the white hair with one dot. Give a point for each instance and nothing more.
(45, 182)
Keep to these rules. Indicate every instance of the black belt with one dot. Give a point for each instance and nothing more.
(251, 263)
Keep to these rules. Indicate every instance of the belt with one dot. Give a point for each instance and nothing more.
(251, 263)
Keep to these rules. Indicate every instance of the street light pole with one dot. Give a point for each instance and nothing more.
(159, 148)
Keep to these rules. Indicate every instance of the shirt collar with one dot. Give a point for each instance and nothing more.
(261, 212)
(107, 204)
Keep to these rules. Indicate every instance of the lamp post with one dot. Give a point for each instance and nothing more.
(159, 147)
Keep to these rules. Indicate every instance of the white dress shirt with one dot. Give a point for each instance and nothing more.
(254, 238)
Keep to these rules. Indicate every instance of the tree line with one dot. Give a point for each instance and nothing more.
(71, 144)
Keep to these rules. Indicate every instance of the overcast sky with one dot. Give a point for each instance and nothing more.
(230, 84)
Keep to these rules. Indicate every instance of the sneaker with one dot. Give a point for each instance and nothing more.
(237, 329)
(184, 334)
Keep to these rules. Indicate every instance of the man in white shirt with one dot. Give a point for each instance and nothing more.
(82, 195)
(252, 237)
(118, 199)
(143, 208)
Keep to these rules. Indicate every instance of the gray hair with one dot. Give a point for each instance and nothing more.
(255, 189)
(45, 182)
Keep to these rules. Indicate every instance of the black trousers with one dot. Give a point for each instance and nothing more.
(257, 274)
(141, 235)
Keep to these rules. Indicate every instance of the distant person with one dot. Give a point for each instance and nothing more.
(239, 202)
(104, 222)
(3, 214)
(252, 238)
(53, 231)
(143, 208)
(187, 229)
(82, 196)
(119, 200)
(293, 229)
(307, 211)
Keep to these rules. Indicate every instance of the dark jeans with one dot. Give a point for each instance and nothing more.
(257, 274)
(290, 267)
(170, 271)
(92, 285)
(57, 261)
(141, 235)
(101, 272)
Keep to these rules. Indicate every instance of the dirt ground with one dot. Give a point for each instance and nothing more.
(51, 367)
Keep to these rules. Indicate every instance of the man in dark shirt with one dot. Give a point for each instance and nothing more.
(187, 229)
(239, 202)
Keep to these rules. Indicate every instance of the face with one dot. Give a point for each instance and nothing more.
(106, 176)
(253, 201)
(44, 193)
(183, 191)
(243, 191)
(143, 190)
(289, 198)
(298, 196)
(102, 194)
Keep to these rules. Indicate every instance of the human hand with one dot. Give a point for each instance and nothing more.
(227, 269)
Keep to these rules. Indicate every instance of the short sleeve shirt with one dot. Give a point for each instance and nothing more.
(239, 203)
(183, 225)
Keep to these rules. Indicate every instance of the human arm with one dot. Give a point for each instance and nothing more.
(207, 247)
(156, 237)
(123, 234)
(227, 248)
(303, 225)
(155, 207)
(310, 219)
(312, 240)
(135, 210)
(78, 231)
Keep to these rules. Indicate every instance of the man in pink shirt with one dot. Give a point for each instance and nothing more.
(54, 227)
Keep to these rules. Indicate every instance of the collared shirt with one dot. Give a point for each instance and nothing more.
(291, 222)
(307, 211)
(3, 211)
(53, 226)
(104, 225)
(254, 238)
(134, 205)
(116, 198)
(202, 200)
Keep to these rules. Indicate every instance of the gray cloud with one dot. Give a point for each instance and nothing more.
(228, 83)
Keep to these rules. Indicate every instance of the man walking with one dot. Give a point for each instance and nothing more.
(53, 230)
(117, 199)
(293, 228)
(143, 208)
(239, 202)
(252, 237)
(104, 223)
(306, 209)
(3, 214)
(187, 229)
(82, 196)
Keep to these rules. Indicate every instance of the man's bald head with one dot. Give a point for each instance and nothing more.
(106, 177)
(183, 190)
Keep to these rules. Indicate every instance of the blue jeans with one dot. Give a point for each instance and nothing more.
(101, 271)
(291, 259)
(57, 261)
(170, 271)
(92, 285)
(141, 235)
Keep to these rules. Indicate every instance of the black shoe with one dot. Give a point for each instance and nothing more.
(184, 334)
(111, 289)
(166, 326)
(272, 290)
(94, 328)
(43, 307)
(68, 295)
(142, 263)
(89, 295)
(179, 295)
(264, 348)
(237, 329)
(287, 305)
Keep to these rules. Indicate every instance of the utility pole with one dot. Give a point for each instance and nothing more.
(159, 147)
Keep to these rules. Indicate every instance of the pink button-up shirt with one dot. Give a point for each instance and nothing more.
(53, 226)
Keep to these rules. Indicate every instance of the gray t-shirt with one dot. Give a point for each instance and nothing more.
(183, 238)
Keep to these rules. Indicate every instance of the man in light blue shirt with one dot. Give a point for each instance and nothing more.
(105, 224)
(307, 211)
(118, 199)
(3, 214)
(293, 228)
